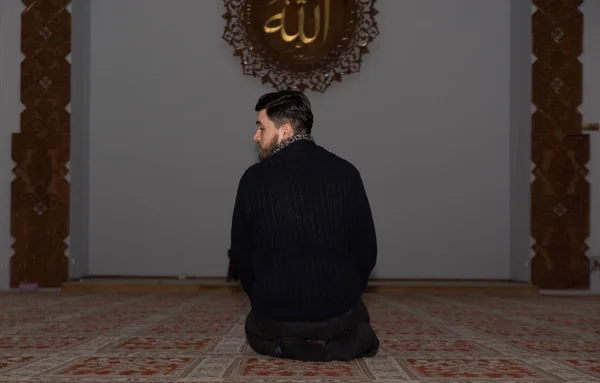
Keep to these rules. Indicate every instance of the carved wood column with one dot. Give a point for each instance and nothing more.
(560, 193)
(41, 150)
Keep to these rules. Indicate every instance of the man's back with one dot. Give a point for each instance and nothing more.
(303, 237)
(302, 241)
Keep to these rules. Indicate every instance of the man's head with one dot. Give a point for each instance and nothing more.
(281, 115)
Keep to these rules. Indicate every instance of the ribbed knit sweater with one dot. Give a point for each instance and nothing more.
(303, 239)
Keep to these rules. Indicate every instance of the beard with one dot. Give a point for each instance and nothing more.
(265, 151)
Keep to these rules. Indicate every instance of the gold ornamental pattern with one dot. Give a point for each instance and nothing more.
(300, 44)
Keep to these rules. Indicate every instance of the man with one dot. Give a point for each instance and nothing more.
(302, 241)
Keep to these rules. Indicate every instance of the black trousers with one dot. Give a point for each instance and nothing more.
(343, 338)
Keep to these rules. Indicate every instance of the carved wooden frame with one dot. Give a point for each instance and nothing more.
(342, 60)
(41, 150)
(560, 193)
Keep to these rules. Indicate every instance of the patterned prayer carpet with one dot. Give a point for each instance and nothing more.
(58, 337)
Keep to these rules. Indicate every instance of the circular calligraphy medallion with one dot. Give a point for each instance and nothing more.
(301, 33)
(300, 43)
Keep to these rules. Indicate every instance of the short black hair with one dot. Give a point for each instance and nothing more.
(287, 107)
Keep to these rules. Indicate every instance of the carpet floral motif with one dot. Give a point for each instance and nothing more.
(185, 338)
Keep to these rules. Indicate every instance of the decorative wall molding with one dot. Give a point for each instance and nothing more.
(560, 193)
(300, 44)
(41, 150)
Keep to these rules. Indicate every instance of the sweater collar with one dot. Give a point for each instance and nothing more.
(285, 143)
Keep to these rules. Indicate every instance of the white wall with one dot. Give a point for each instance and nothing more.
(591, 113)
(10, 109)
(80, 139)
(420, 96)
(427, 122)
(520, 139)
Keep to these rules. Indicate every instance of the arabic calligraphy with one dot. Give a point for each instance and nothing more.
(277, 22)
(300, 44)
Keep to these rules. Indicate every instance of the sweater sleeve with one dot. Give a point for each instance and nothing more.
(241, 251)
(364, 246)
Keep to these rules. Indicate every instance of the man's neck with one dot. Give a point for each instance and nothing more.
(297, 137)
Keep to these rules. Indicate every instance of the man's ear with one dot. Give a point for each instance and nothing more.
(286, 131)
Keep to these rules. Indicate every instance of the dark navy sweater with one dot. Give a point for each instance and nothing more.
(302, 238)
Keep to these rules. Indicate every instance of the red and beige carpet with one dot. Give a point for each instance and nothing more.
(54, 337)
